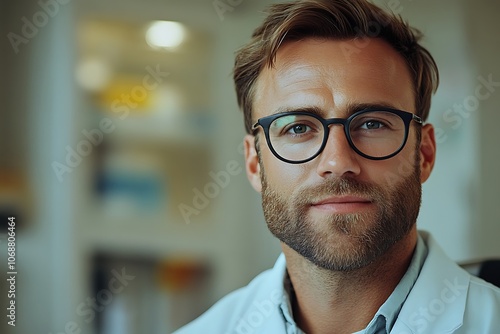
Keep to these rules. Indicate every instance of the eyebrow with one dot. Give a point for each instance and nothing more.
(347, 111)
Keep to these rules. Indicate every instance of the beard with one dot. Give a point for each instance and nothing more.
(343, 242)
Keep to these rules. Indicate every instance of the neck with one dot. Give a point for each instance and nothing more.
(328, 301)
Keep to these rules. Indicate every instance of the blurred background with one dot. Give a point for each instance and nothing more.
(121, 156)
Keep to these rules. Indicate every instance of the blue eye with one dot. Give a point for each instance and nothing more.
(299, 129)
(372, 125)
(295, 126)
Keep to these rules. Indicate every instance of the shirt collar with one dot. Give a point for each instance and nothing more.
(286, 306)
(386, 316)
(388, 313)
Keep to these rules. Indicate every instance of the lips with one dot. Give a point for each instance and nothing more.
(342, 200)
(343, 204)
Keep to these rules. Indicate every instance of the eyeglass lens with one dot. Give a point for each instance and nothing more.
(299, 137)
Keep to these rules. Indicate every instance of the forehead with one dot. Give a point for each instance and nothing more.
(331, 74)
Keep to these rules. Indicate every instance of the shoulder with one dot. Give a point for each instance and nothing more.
(482, 311)
(243, 307)
(447, 299)
(474, 290)
(480, 287)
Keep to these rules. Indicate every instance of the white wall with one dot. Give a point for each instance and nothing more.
(483, 27)
(459, 199)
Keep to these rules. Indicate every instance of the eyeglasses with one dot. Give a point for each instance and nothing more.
(298, 137)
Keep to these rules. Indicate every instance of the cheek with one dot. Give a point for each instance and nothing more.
(390, 172)
(280, 175)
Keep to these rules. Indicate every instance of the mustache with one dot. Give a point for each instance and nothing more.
(343, 186)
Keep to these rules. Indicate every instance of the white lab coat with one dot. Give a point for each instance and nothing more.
(447, 299)
(444, 299)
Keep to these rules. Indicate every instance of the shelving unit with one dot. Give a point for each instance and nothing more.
(157, 149)
(92, 221)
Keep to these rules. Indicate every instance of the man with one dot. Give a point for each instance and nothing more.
(335, 95)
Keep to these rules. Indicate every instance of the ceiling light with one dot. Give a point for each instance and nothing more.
(165, 34)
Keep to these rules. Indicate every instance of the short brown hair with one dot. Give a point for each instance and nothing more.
(335, 19)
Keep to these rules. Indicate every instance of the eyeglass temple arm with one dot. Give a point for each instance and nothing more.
(417, 119)
(254, 127)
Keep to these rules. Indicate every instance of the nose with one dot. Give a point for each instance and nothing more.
(338, 158)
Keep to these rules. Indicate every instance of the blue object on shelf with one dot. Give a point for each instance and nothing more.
(144, 191)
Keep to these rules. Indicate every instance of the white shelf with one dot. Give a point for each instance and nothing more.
(153, 236)
(182, 129)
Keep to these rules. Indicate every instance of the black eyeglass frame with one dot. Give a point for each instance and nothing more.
(406, 116)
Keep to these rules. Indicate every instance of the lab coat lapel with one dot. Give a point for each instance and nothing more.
(436, 303)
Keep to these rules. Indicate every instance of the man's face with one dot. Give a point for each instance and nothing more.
(340, 210)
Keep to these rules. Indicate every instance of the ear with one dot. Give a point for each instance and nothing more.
(427, 152)
(252, 163)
